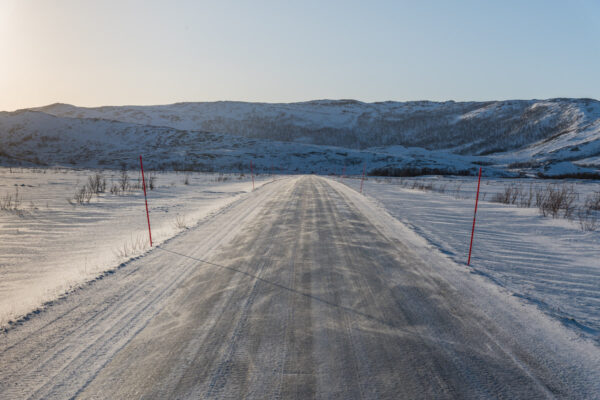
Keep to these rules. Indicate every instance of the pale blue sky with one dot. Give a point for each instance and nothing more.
(156, 52)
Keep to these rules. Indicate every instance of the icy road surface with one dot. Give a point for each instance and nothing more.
(300, 290)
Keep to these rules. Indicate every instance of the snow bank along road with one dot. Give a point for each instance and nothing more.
(300, 290)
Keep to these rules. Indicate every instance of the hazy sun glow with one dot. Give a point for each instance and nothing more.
(152, 52)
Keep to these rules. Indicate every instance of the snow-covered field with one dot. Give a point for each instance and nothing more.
(50, 245)
(552, 263)
(303, 288)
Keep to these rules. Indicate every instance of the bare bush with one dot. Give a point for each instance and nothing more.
(593, 201)
(186, 181)
(422, 185)
(221, 178)
(526, 197)
(97, 183)
(503, 197)
(555, 199)
(180, 222)
(11, 202)
(82, 195)
(540, 195)
(152, 181)
(511, 194)
(123, 180)
(131, 247)
(137, 185)
(457, 191)
(588, 219)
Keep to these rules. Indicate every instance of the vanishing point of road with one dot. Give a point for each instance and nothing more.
(291, 292)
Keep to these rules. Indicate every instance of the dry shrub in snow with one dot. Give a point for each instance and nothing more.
(152, 182)
(132, 247)
(180, 222)
(97, 183)
(588, 213)
(593, 201)
(422, 186)
(556, 199)
(123, 180)
(221, 178)
(506, 196)
(82, 195)
(11, 202)
(588, 219)
(515, 194)
(553, 200)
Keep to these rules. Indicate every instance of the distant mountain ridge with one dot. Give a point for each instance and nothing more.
(547, 136)
(33, 138)
(464, 127)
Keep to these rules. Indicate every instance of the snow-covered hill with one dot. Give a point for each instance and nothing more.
(549, 136)
(35, 138)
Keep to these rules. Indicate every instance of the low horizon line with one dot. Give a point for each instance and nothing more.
(298, 102)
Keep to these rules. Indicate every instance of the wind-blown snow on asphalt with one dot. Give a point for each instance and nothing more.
(301, 289)
(50, 246)
(549, 262)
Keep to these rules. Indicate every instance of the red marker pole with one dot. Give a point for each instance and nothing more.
(363, 177)
(252, 173)
(474, 215)
(146, 200)
(343, 172)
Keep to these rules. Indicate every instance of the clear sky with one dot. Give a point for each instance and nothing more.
(114, 52)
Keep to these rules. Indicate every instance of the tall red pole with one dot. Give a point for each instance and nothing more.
(474, 216)
(344, 172)
(146, 200)
(363, 177)
(252, 173)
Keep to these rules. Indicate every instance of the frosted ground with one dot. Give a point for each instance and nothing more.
(49, 245)
(552, 263)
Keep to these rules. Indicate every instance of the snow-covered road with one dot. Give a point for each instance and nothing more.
(302, 289)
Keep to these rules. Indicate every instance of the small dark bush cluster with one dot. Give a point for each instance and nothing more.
(588, 214)
(428, 186)
(11, 202)
(125, 184)
(574, 175)
(556, 200)
(82, 195)
(515, 194)
(221, 178)
(552, 200)
(417, 184)
(95, 185)
(123, 180)
(524, 164)
(151, 181)
(592, 202)
(415, 171)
